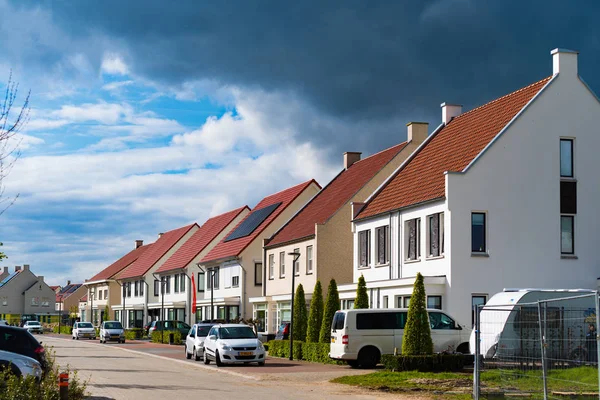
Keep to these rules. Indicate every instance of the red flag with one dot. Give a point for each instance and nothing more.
(193, 289)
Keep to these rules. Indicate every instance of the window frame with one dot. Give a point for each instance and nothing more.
(142, 284)
(201, 288)
(258, 269)
(440, 235)
(136, 287)
(367, 247)
(309, 260)
(156, 287)
(407, 223)
(176, 283)
(386, 245)
(182, 279)
(572, 161)
(271, 261)
(485, 234)
(235, 282)
(282, 264)
(572, 218)
(296, 263)
(435, 296)
(168, 284)
(474, 296)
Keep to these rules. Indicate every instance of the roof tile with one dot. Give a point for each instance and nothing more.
(451, 149)
(120, 264)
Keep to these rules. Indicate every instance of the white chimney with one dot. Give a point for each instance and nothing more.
(139, 243)
(417, 132)
(160, 235)
(450, 111)
(564, 61)
(350, 157)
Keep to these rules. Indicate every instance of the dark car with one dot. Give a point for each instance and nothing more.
(283, 333)
(20, 341)
(170, 325)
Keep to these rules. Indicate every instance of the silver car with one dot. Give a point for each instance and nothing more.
(194, 341)
(112, 330)
(33, 327)
(83, 330)
(21, 365)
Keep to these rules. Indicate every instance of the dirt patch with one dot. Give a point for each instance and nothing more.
(444, 384)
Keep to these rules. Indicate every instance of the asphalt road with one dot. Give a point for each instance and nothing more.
(119, 372)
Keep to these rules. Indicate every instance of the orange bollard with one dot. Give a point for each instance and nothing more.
(63, 385)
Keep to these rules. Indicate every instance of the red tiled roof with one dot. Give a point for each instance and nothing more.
(234, 247)
(333, 196)
(68, 291)
(54, 287)
(83, 298)
(200, 239)
(451, 149)
(154, 253)
(120, 264)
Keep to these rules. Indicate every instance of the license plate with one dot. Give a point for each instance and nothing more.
(245, 353)
(332, 340)
(86, 334)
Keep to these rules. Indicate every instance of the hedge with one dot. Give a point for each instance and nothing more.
(424, 363)
(157, 335)
(66, 329)
(313, 352)
(134, 333)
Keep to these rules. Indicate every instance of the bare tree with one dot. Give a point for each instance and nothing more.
(11, 124)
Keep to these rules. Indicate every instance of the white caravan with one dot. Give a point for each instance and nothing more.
(510, 329)
(361, 336)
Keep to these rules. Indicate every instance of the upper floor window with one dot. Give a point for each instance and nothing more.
(213, 278)
(434, 302)
(413, 239)
(128, 289)
(309, 260)
(142, 284)
(567, 237)
(566, 158)
(176, 284)
(364, 248)
(282, 264)
(271, 266)
(201, 281)
(168, 284)
(258, 273)
(478, 232)
(382, 236)
(156, 287)
(182, 278)
(435, 238)
(235, 281)
(136, 292)
(297, 263)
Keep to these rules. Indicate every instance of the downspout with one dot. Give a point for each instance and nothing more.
(189, 296)
(123, 298)
(145, 316)
(243, 298)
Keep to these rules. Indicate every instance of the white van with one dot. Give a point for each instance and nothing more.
(361, 336)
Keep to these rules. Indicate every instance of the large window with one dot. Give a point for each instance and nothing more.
(364, 248)
(182, 279)
(297, 263)
(176, 284)
(435, 235)
(566, 158)
(142, 284)
(567, 236)
(128, 289)
(434, 302)
(282, 264)
(136, 292)
(413, 239)
(271, 266)
(156, 287)
(382, 237)
(201, 281)
(309, 260)
(478, 234)
(168, 284)
(258, 273)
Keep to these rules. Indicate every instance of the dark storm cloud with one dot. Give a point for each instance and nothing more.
(355, 60)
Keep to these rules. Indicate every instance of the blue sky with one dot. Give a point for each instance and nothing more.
(146, 117)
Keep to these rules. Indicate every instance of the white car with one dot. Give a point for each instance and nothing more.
(21, 365)
(83, 330)
(233, 344)
(33, 327)
(112, 330)
(194, 341)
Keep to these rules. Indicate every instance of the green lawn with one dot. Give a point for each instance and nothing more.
(581, 379)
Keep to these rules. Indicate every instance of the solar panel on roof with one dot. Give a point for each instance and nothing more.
(254, 219)
(8, 278)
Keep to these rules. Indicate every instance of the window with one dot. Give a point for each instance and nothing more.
(128, 289)
(297, 263)
(441, 321)
(271, 266)
(364, 248)
(282, 264)
(309, 260)
(156, 287)
(168, 284)
(413, 239)
(106, 293)
(258, 274)
(385, 301)
(435, 238)
(137, 288)
(568, 197)
(434, 302)
(201, 282)
(382, 236)
(566, 158)
(381, 320)
(477, 300)
(478, 228)
(182, 279)
(216, 277)
(142, 284)
(567, 237)
(100, 295)
(235, 281)
(176, 284)
(406, 301)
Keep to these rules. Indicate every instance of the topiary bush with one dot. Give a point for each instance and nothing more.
(315, 317)
(300, 317)
(134, 334)
(417, 331)
(163, 337)
(331, 306)
(362, 298)
(424, 363)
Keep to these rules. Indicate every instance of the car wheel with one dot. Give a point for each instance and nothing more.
(187, 355)
(123, 341)
(196, 355)
(218, 359)
(206, 360)
(368, 357)
(73, 337)
(261, 364)
(76, 337)
(352, 363)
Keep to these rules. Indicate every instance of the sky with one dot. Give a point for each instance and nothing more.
(148, 115)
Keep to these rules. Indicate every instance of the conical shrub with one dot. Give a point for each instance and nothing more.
(417, 332)
(300, 318)
(331, 306)
(315, 317)
(362, 298)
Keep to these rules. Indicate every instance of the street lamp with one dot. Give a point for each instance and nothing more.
(296, 256)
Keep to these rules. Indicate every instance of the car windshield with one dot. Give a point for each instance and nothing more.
(112, 325)
(33, 323)
(84, 325)
(237, 332)
(203, 330)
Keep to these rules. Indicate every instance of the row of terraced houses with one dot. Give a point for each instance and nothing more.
(503, 195)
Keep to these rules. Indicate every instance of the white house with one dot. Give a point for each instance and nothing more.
(504, 195)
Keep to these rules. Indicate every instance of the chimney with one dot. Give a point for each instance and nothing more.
(417, 132)
(357, 208)
(17, 268)
(350, 157)
(160, 235)
(5, 270)
(450, 111)
(68, 283)
(26, 267)
(40, 278)
(139, 243)
(564, 61)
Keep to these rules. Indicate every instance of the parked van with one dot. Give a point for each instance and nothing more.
(509, 324)
(361, 336)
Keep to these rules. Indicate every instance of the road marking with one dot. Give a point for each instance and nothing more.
(187, 363)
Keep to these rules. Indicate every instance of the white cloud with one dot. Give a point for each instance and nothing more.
(105, 113)
(114, 86)
(113, 64)
(27, 141)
